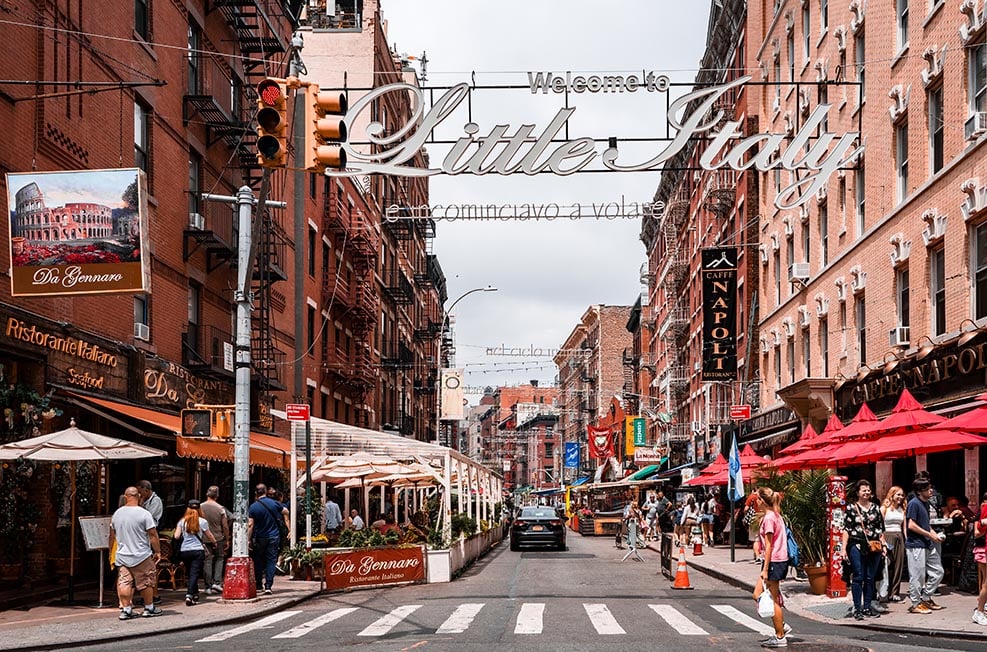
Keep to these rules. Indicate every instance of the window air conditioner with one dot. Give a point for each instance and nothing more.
(899, 336)
(196, 221)
(142, 331)
(798, 272)
(975, 125)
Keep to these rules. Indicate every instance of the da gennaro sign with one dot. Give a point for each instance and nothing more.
(374, 567)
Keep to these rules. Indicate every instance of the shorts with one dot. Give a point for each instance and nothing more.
(142, 576)
(980, 555)
(706, 518)
(777, 570)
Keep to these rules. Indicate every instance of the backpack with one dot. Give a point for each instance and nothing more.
(793, 550)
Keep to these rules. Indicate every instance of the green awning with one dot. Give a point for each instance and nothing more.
(645, 472)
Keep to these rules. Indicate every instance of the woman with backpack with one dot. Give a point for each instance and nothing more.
(863, 539)
(191, 530)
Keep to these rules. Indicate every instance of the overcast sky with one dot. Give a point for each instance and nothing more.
(547, 273)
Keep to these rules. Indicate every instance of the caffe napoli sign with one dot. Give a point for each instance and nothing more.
(505, 150)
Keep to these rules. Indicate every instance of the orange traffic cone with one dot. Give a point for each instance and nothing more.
(681, 573)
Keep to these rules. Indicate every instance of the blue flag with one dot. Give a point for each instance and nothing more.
(736, 492)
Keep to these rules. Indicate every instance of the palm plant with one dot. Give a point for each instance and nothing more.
(804, 507)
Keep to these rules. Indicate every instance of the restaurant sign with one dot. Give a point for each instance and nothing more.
(812, 153)
(78, 232)
(719, 286)
(167, 384)
(373, 567)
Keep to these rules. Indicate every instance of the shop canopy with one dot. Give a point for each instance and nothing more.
(644, 473)
(974, 420)
(581, 480)
(891, 447)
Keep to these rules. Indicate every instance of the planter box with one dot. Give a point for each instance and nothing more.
(439, 566)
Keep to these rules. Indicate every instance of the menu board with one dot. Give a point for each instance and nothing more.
(96, 531)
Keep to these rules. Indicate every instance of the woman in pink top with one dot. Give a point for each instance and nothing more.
(774, 541)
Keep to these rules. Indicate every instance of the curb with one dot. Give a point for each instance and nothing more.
(811, 615)
(124, 637)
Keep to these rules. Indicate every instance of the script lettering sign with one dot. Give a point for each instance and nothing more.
(373, 567)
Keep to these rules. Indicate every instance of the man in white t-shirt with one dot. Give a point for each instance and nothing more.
(132, 529)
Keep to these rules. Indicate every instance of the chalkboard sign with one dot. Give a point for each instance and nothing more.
(96, 531)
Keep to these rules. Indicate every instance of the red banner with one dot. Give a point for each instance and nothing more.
(374, 567)
(600, 442)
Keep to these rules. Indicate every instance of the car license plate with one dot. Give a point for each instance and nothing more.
(537, 528)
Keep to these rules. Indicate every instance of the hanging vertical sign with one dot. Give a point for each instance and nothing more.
(572, 455)
(719, 278)
(452, 395)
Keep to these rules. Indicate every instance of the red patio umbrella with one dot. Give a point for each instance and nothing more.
(973, 421)
(749, 461)
(907, 416)
(891, 447)
(863, 423)
(717, 465)
(804, 443)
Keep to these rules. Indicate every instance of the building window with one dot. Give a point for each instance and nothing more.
(901, 296)
(824, 232)
(859, 54)
(194, 60)
(901, 158)
(141, 315)
(790, 349)
(778, 278)
(142, 120)
(806, 246)
(778, 367)
(937, 289)
(823, 15)
(843, 326)
(861, 316)
(936, 129)
(142, 19)
(790, 47)
(310, 323)
(312, 239)
(807, 352)
(901, 14)
(777, 80)
(978, 77)
(326, 257)
(980, 271)
(194, 190)
(824, 346)
(860, 197)
(806, 31)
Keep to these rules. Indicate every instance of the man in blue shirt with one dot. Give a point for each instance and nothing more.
(264, 536)
(922, 552)
(333, 516)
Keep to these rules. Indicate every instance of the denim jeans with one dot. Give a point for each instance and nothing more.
(924, 572)
(265, 556)
(215, 561)
(865, 564)
(193, 567)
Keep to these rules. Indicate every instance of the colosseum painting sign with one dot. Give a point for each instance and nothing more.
(78, 232)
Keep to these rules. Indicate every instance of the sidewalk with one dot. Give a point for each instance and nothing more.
(953, 619)
(59, 624)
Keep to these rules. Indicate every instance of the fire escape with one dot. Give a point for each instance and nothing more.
(222, 100)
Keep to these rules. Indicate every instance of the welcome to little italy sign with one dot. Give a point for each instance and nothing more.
(505, 150)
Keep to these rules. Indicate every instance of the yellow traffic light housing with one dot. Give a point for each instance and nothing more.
(325, 130)
(272, 123)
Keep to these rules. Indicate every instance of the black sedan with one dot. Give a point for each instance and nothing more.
(538, 526)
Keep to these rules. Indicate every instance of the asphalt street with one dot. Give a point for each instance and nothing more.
(582, 599)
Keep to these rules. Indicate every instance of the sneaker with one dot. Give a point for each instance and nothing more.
(858, 614)
(209, 590)
(188, 601)
(218, 588)
(930, 603)
(788, 630)
(774, 641)
(127, 613)
(195, 598)
(896, 598)
(919, 608)
(979, 617)
(878, 607)
(157, 599)
(152, 611)
(268, 592)
(870, 613)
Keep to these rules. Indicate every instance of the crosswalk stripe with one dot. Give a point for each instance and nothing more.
(249, 627)
(743, 619)
(387, 622)
(677, 620)
(529, 619)
(602, 619)
(460, 619)
(315, 623)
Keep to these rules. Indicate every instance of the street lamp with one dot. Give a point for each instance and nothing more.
(438, 358)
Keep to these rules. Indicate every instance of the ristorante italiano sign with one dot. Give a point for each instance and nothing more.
(811, 151)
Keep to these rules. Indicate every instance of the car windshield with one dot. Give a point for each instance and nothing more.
(537, 512)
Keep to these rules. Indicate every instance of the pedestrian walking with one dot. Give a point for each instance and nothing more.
(138, 550)
(922, 547)
(263, 533)
(333, 516)
(863, 539)
(193, 529)
(893, 510)
(689, 518)
(218, 518)
(980, 556)
(773, 535)
(153, 504)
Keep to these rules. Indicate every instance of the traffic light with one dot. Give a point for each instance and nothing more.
(197, 423)
(324, 130)
(272, 123)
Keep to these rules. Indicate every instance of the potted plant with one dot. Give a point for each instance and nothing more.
(804, 507)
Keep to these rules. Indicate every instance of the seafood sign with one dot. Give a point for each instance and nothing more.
(374, 567)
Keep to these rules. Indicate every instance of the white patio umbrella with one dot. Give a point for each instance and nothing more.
(359, 466)
(75, 445)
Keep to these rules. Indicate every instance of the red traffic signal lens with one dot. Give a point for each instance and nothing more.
(270, 92)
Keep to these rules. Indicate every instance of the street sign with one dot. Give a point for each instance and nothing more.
(740, 412)
(296, 411)
(572, 455)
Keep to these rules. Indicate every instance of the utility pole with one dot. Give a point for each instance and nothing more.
(239, 578)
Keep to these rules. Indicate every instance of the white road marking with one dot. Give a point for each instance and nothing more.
(249, 627)
(602, 619)
(677, 620)
(529, 619)
(743, 619)
(315, 623)
(388, 622)
(460, 619)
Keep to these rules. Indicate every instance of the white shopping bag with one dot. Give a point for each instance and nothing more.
(765, 605)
